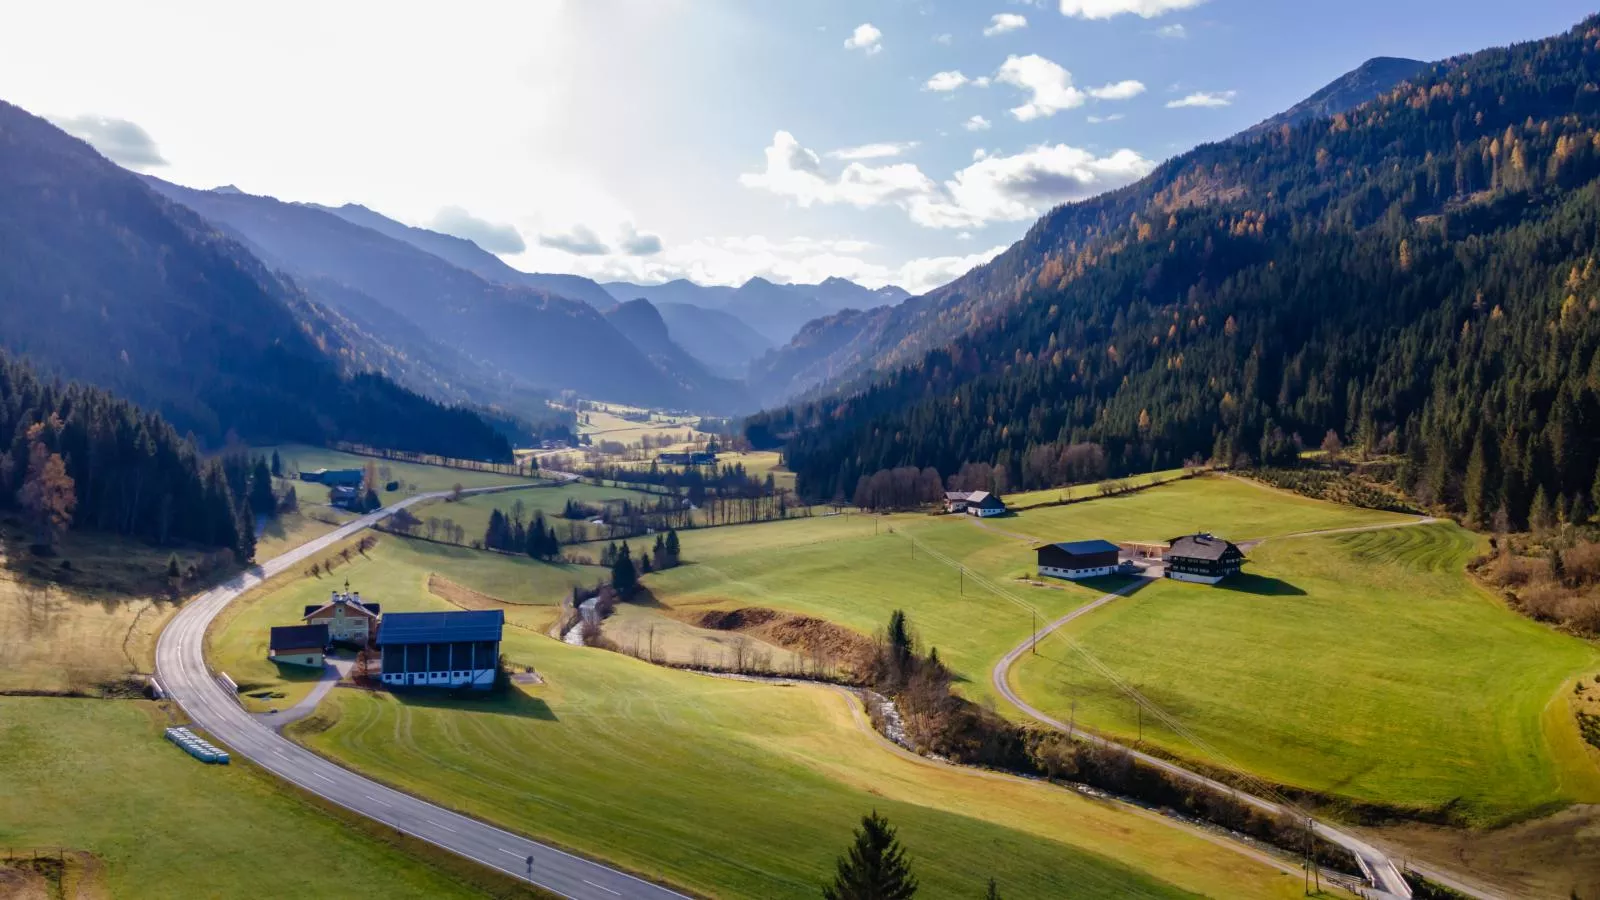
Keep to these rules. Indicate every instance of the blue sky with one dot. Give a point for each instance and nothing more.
(714, 139)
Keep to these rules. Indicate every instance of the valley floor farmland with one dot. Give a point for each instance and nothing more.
(97, 776)
(1363, 665)
(739, 789)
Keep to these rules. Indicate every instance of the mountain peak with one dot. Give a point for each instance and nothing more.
(226, 189)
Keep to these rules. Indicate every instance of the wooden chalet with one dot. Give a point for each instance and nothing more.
(1203, 558)
(974, 503)
(1078, 559)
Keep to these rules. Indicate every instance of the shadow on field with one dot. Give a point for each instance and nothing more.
(512, 702)
(1261, 585)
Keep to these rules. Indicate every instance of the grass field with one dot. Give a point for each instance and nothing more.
(393, 574)
(743, 790)
(855, 571)
(304, 458)
(96, 775)
(290, 530)
(1361, 665)
(472, 513)
(1026, 499)
(86, 628)
(1228, 507)
(608, 426)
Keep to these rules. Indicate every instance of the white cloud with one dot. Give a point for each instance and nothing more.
(1096, 120)
(119, 140)
(1205, 99)
(636, 243)
(1175, 31)
(873, 151)
(1121, 90)
(495, 237)
(977, 123)
(1105, 9)
(1022, 186)
(946, 81)
(991, 189)
(1005, 22)
(796, 172)
(579, 240)
(865, 38)
(920, 276)
(1050, 86)
(944, 39)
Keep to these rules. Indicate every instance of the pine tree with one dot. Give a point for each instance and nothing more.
(624, 577)
(262, 500)
(1476, 488)
(1541, 517)
(277, 465)
(993, 893)
(875, 867)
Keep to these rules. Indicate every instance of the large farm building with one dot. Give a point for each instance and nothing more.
(1078, 559)
(1204, 558)
(441, 649)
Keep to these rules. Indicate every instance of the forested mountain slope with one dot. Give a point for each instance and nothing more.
(1417, 274)
(104, 280)
(719, 339)
(641, 324)
(834, 352)
(540, 338)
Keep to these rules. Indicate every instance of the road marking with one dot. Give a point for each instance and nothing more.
(322, 776)
(448, 828)
(375, 800)
(512, 852)
(602, 887)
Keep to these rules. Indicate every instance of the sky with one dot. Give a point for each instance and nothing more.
(886, 141)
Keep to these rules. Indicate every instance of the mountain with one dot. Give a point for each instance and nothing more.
(465, 254)
(538, 338)
(899, 335)
(643, 325)
(1416, 275)
(1360, 85)
(106, 281)
(775, 311)
(719, 339)
(679, 290)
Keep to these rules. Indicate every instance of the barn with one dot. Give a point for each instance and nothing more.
(976, 503)
(1078, 559)
(298, 645)
(441, 649)
(1203, 558)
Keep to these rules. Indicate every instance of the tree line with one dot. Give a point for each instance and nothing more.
(81, 458)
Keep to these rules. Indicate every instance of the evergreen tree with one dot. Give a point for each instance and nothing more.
(277, 465)
(262, 500)
(1476, 487)
(624, 577)
(875, 867)
(993, 893)
(1542, 516)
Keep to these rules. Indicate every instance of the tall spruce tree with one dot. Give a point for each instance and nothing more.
(875, 867)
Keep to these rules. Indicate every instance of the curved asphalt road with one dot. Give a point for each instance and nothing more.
(181, 668)
(1378, 867)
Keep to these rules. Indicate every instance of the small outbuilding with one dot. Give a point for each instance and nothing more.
(441, 649)
(1078, 559)
(298, 645)
(1203, 558)
(984, 504)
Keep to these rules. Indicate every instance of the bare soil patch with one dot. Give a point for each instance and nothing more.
(1557, 856)
(802, 634)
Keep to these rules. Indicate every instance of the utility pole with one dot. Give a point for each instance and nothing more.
(1072, 722)
(1034, 648)
(1141, 724)
(961, 581)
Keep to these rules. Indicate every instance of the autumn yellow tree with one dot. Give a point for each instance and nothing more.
(48, 494)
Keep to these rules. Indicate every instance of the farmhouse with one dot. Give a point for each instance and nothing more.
(1078, 559)
(443, 649)
(976, 503)
(1203, 557)
(343, 496)
(347, 617)
(298, 645)
(332, 477)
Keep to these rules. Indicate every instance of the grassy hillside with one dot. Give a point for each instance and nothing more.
(736, 789)
(1361, 665)
(97, 776)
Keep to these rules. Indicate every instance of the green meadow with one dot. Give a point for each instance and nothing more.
(1364, 666)
(97, 775)
(737, 789)
(303, 458)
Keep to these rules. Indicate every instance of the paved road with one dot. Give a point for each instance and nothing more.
(180, 665)
(1380, 869)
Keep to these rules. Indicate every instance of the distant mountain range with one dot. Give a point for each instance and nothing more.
(106, 281)
(776, 311)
